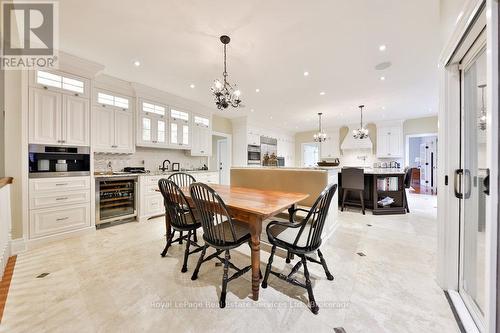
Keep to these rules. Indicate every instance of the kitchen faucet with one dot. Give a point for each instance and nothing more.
(163, 167)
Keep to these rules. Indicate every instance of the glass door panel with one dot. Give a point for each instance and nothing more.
(472, 187)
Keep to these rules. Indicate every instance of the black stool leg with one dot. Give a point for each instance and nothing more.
(329, 276)
(169, 242)
(186, 253)
(222, 301)
(361, 196)
(344, 195)
(195, 237)
(200, 261)
(180, 237)
(268, 267)
(312, 302)
(288, 257)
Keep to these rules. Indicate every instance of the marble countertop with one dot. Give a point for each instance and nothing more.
(156, 173)
(382, 171)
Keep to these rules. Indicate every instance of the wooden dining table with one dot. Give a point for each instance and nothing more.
(253, 206)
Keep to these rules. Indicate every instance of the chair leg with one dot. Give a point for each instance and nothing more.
(268, 267)
(169, 242)
(329, 276)
(222, 301)
(195, 236)
(344, 195)
(362, 201)
(186, 253)
(406, 202)
(180, 237)
(200, 261)
(288, 257)
(312, 302)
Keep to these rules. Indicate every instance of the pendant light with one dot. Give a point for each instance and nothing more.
(225, 94)
(360, 133)
(320, 136)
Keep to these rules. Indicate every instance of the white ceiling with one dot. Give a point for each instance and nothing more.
(273, 43)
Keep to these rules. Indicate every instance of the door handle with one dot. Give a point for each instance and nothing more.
(469, 183)
(486, 182)
(457, 182)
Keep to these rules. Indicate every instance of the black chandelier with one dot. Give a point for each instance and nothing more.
(224, 93)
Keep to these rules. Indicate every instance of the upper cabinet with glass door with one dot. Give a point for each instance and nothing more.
(113, 129)
(59, 109)
(180, 129)
(152, 124)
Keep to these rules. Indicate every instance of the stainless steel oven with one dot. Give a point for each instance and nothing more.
(115, 199)
(253, 155)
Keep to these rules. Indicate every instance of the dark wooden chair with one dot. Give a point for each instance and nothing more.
(182, 218)
(353, 179)
(407, 184)
(220, 231)
(301, 238)
(182, 180)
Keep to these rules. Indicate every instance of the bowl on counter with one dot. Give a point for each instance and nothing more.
(334, 163)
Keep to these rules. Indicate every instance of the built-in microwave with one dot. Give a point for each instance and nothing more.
(253, 154)
(58, 161)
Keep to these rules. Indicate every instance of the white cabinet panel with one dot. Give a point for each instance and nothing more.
(45, 116)
(103, 129)
(389, 142)
(40, 185)
(154, 205)
(53, 199)
(123, 131)
(330, 148)
(201, 144)
(253, 139)
(75, 117)
(49, 221)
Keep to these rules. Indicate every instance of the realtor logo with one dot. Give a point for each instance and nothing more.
(29, 35)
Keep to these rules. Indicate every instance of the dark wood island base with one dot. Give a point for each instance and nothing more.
(379, 183)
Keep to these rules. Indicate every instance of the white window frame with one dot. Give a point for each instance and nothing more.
(61, 86)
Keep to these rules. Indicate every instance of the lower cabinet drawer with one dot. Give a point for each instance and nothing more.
(48, 221)
(154, 205)
(53, 199)
(44, 185)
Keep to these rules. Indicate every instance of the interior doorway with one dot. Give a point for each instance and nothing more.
(221, 156)
(422, 156)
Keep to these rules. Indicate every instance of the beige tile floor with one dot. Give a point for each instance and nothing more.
(116, 281)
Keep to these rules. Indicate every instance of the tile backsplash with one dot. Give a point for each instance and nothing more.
(150, 158)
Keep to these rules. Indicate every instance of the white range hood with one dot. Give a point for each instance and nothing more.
(351, 143)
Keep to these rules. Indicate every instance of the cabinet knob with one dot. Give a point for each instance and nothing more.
(45, 87)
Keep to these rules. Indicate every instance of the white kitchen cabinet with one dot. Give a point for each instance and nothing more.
(209, 177)
(58, 205)
(153, 127)
(201, 137)
(330, 148)
(389, 142)
(45, 116)
(180, 129)
(58, 114)
(150, 200)
(75, 120)
(113, 130)
(253, 138)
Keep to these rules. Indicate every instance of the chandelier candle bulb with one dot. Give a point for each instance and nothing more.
(225, 94)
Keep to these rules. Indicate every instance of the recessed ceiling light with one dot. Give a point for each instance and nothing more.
(137, 63)
(322, 93)
(252, 110)
(270, 117)
(382, 78)
(382, 47)
(383, 108)
(257, 90)
(306, 73)
(192, 86)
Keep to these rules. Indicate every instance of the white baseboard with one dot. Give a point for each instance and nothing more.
(21, 245)
(17, 246)
(5, 254)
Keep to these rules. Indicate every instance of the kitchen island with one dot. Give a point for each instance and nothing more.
(379, 183)
(311, 181)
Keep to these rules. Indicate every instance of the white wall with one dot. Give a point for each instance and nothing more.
(5, 226)
(449, 12)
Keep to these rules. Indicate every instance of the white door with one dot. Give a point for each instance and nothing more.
(103, 130)
(472, 187)
(45, 117)
(123, 131)
(310, 154)
(223, 161)
(75, 120)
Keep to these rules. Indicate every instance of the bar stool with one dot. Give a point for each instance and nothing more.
(353, 179)
(407, 184)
